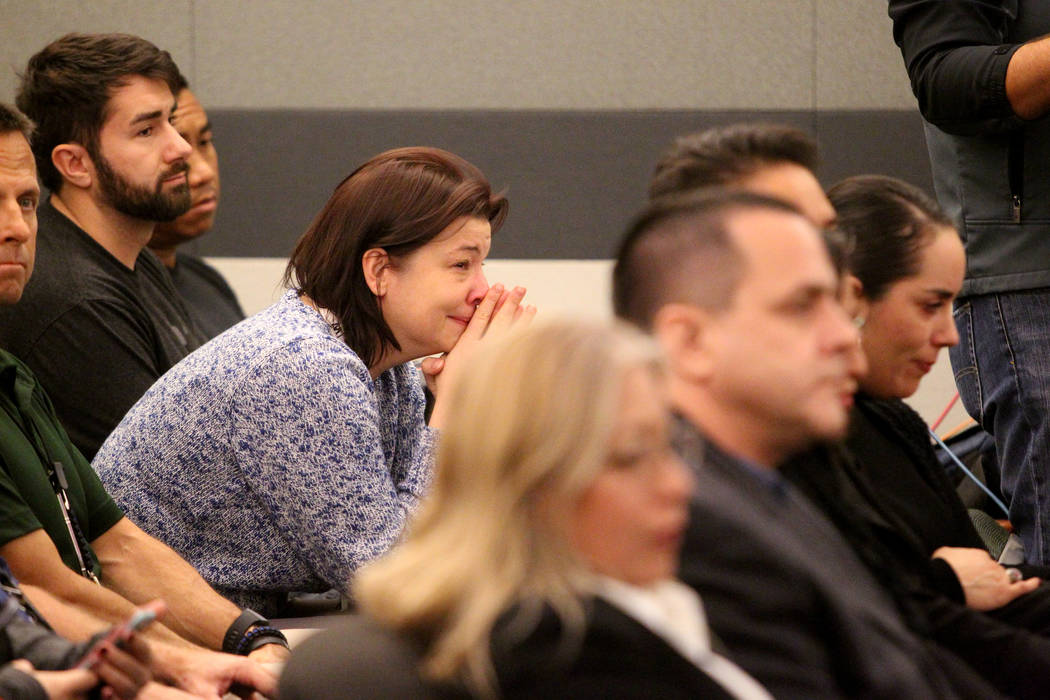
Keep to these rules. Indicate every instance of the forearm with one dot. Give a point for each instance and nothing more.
(131, 560)
(1028, 79)
(77, 612)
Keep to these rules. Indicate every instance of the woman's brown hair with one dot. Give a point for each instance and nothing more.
(399, 201)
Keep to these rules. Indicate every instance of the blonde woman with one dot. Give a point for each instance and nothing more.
(541, 565)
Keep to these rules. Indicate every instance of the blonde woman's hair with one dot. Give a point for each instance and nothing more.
(533, 418)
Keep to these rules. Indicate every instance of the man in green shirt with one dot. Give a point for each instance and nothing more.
(59, 530)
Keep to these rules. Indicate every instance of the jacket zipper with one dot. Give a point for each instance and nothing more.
(1015, 168)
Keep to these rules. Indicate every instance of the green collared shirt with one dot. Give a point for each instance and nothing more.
(31, 438)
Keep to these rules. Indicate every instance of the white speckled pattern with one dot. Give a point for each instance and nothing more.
(269, 458)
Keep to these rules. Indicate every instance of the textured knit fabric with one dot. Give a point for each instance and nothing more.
(95, 333)
(211, 303)
(31, 438)
(270, 459)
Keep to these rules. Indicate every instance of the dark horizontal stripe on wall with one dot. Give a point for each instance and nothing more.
(574, 179)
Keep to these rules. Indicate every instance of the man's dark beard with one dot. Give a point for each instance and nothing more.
(140, 202)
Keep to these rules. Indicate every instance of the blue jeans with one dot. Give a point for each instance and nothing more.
(1002, 369)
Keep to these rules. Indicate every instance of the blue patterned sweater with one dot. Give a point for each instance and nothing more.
(271, 460)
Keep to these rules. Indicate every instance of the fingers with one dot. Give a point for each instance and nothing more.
(256, 677)
(502, 300)
(508, 310)
(137, 647)
(525, 315)
(1026, 586)
(483, 313)
(73, 682)
(23, 665)
(156, 691)
(122, 672)
(432, 366)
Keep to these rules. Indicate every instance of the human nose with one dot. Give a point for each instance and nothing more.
(675, 480)
(201, 172)
(840, 334)
(15, 226)
(946, 334)
(178, 147)
(479, 287)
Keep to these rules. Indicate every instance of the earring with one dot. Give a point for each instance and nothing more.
(859, 321)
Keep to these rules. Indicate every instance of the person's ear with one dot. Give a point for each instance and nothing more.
(376, 265)
(684, 332)
(74, 164)
(853, 299)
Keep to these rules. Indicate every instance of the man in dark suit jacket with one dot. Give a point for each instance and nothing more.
(740, 291)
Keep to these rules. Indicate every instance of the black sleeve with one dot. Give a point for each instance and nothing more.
(752, 603)
(1014, 660)
(956, 58)
(23, 639)
(944, 580)
(96, 362)
(16, 685)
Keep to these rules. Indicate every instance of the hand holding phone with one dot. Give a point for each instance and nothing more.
(118, 635)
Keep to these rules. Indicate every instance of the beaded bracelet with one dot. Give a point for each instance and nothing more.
(248, 642)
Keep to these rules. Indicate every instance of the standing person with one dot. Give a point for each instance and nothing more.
(542, 564)
(980, 72)
(210, 301)
(290, 449)
(101, 320)
(739, 290)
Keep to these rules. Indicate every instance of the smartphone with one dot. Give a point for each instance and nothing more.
(118, 635)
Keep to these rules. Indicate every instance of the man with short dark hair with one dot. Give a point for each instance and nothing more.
(101, 320)
(209, 300)
(739, 290)
(771, 159)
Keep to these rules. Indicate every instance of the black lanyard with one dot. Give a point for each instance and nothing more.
(56, 475)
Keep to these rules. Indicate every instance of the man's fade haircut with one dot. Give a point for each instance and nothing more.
(67, 85)
(13, 120)
(723, 156)
(678, 249)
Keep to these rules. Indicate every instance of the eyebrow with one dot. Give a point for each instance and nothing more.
(206, 127)
(809, 291)
(467, 249)
(942, 294)
(146, 116)
(33, 189)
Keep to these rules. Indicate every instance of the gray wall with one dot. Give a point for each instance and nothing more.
(501, 54)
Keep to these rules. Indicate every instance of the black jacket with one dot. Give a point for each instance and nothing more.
(880, 510)
(991, 170)
(792, 601)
